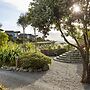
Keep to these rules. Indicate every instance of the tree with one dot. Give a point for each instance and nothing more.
(40, 39)
(3, 38)
(23, 22)
(71, 18)
(0, 25)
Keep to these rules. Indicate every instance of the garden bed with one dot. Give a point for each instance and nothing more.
(53, 52)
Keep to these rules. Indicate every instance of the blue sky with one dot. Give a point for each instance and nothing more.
(8, 15)
(10, 11)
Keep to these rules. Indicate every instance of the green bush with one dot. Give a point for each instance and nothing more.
(60, 51)
(34, 61)
(3, 39)
(8, 54)
(28, 47)
(54, 52)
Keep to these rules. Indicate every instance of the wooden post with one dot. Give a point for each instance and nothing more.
(17, 62)
(35, 40)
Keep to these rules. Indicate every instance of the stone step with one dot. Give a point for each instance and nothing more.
(68, 61)
(69, 57)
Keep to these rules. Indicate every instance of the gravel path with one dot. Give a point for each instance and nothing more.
(61, 76)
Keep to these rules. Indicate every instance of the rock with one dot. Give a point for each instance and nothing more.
(29, 69)
(20, 69)
(17, 69)
(9, 69)
(4, 67)
(13, 68)
(25, 70)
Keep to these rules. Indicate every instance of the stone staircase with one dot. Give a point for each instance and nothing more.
(70, 57)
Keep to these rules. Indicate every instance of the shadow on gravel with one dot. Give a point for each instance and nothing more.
(14, 80)
(86, 86)
(79, 69)
(79, 72)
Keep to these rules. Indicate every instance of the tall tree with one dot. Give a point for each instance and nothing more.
(0, 25)
(71, 18)
(23, 22)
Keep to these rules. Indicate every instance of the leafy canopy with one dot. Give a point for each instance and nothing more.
(22, 21)
(43, 14)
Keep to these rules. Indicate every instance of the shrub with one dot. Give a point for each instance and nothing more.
(28, 47)
(3, 38)
(54, 52)
(49, 52)
(35, 61)
(61, 51)
(8, 54)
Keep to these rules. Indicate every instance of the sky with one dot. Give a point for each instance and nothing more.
(10, 11)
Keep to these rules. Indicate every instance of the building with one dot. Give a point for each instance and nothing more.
(1, 30)
(27, 36)
(13, 34)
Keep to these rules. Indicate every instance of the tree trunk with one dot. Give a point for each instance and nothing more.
(23, 35)
(35, 40)
(86, 70)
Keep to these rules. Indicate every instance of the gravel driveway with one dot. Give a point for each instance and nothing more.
(61, 76)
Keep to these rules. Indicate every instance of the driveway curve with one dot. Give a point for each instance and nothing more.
(61, 76)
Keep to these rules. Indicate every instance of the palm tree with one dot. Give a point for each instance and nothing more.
(23, 22)
(0, 25)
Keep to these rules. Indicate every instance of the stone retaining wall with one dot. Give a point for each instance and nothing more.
(70, 57)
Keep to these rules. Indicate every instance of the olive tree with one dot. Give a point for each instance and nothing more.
(23, 22)
(71, 18)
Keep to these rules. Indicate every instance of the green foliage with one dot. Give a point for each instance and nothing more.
(39, 39)
(9, 53)
(34, 61)
(60, 51)
(28, 47)
(11, 38)
(43, 13)
(27, 59)
(68, 47)
(3, 38)
(47, 46)
(22, 21)
(53, 52)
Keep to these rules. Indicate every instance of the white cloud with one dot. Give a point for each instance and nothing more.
(55, 36)
(21, 5)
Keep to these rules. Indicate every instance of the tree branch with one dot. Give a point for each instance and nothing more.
(76, 41)
(66, 39)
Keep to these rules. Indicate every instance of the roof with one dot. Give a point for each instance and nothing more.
(1, 30)
(45, 42)
(12, 31)
(9, 31)
(16, 31)
(26, 34)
